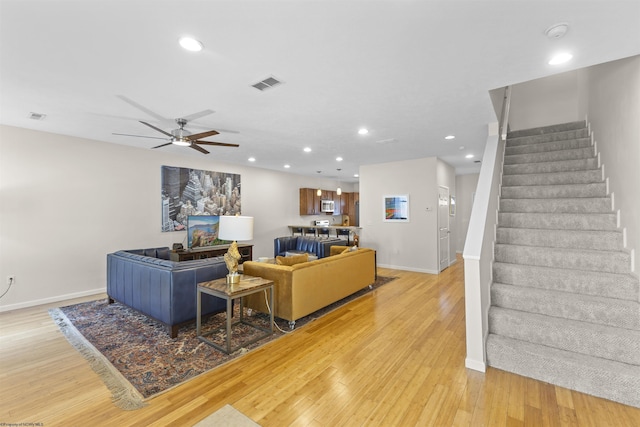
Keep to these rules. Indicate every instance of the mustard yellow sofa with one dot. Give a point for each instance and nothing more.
(303, 288)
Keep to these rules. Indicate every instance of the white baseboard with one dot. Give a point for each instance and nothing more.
(402, 267)
(475, 365)
(50, 300)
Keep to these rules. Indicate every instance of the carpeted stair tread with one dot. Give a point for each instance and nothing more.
(566, 144)
(600, 377)
(551, 166)
(576, 259)
(545, 130)
(621, 345)
(578, 239)
(585, 308)
(595, 283)
(598, 205)
(567, 221)
(550, 156)
(563, 191)
(569, 177)
(550, 137)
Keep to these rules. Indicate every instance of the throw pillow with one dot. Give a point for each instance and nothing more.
(292, 260)
(346, 250)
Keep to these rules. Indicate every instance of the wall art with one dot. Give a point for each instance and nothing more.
(187, 192)
(396, 208)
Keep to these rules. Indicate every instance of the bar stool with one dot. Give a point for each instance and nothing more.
(296, 231)
(311, 231)
(324, 232)
(343, 232)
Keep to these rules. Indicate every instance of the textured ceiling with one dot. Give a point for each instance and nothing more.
(412, 72)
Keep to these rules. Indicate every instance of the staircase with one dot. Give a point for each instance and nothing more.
(564, 307)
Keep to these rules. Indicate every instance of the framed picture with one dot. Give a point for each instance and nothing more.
(452, 205)
(396, 208)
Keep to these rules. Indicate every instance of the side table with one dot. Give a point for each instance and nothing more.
(248, 285)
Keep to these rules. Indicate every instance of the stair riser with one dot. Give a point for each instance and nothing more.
(610, 262)
(555, 191)
(604, 222)
(548, 130)
(558, 367)
(604, 241)
(554, 156)
(583, 205)
(622, 345)
(596, 310)
(550, 167)
(575, 177)
(547, 146)
(619, 286)
(552, 137)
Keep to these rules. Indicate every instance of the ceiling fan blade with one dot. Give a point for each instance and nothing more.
(201, 135)
(200, 149)
(158, 129)
(163, 145)
(139, 136)
(223, 144)
(143, 108)
(196, 116)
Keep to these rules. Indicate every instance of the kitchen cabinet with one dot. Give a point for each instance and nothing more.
(309, 201)
(344, 204)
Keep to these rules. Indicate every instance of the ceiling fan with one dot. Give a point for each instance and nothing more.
(180, 136)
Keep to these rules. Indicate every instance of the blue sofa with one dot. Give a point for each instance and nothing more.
(318, 246)
(147, 281)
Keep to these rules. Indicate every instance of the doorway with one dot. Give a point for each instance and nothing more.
(443, 227)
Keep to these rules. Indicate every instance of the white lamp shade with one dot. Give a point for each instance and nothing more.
(235, 228)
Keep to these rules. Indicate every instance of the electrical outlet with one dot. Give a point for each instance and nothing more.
(11, 280)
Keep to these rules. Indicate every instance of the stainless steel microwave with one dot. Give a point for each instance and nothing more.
(327, 206)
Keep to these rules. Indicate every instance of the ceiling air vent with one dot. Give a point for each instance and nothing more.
(36, 116)
(267, 83)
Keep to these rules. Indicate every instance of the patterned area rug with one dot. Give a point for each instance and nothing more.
(137, 359)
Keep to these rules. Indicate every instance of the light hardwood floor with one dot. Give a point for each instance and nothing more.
(394, 357)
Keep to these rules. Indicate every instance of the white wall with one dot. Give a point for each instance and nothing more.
(611, 102)
(66, 202)
(409, 245)
(465, 189)
(546, 101)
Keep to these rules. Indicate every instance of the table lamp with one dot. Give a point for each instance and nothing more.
(234, 228)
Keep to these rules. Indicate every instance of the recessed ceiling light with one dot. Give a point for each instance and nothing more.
(355, 175)
(252, 159)
(338, 159)
(560, 58)
(449, 137)
(469, 156)
(307, 149)
(190, 44)
(287, 166)
(363, 131)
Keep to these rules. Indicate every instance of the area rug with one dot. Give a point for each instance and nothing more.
(227, 416)
(136, 358)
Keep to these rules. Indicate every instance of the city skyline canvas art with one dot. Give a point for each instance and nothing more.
(187, 192)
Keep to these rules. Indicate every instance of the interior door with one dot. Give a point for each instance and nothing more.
(443, 227)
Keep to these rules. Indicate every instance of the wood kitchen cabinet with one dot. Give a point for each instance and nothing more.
(309, 201)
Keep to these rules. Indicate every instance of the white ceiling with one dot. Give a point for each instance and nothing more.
(410, 71)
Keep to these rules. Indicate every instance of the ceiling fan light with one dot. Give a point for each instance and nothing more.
(181, 142)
